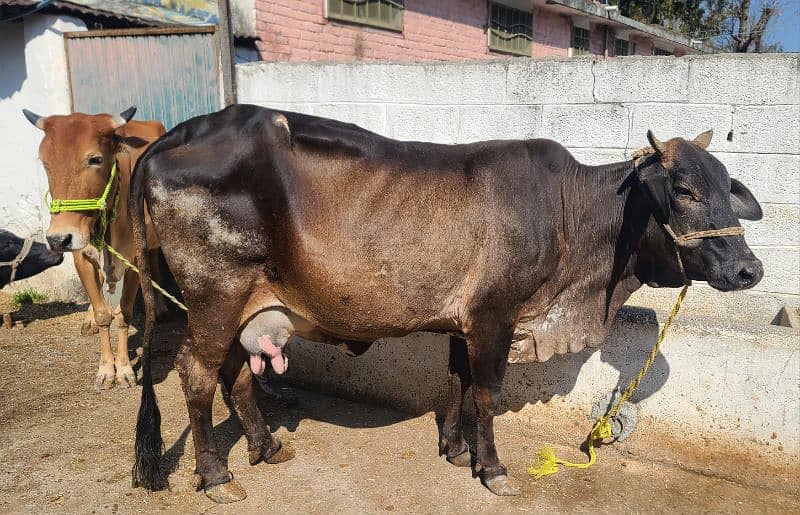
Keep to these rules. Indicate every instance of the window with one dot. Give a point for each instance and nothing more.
(510, 30)
(660, 51)
(385, 14)
(580, 41)
(620, 47)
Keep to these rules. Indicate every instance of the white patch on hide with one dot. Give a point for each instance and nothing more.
(554, 317)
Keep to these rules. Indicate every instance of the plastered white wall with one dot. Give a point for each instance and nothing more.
(600, 110)
(34, 76)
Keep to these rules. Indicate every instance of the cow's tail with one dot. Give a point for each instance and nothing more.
(149, 445)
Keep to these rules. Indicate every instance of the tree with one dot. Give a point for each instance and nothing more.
(684, 16)
(731, 26)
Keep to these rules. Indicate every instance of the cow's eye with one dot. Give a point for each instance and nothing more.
(95, 160)
(682, 192)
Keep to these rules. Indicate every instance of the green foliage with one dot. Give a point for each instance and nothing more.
(27, 296)
(684, 16)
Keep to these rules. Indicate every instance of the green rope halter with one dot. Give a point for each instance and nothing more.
(93, 204)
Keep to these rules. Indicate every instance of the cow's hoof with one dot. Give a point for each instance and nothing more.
(105, 378)
(461, 460)
(283, 453)
(126, 377)
(88, 327)
(226, 493)
(501, 485)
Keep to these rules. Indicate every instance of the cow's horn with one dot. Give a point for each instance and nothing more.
(655, 143)
(124, 117)
(35, 119)
(704, 140)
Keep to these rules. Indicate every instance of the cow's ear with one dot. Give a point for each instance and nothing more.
(655, 181)
(118, 140)
(743, 202)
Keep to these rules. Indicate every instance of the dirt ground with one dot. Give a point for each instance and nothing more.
(66, 448)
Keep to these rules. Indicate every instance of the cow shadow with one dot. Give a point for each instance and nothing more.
(30, 312)
(410, 374)
(421, 381)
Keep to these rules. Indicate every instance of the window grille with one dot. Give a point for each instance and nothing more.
(620, 47)
(580, 41)
(510, 30)
(384, 14)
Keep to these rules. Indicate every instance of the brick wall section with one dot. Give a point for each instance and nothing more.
(297, 30)
(552, 34)
(434, 30)
(599, 109)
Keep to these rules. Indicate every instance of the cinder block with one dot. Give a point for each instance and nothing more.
(593, 125)
(771, 177)
(599, 156)
(641, 79)
(780, 226)
(550, 81)
(767, 129)
(479, 123)
(414, 83)
(669, 121)
(745, 79)
(369, 116)
(277, 82)
(781, 269)
(423, 123)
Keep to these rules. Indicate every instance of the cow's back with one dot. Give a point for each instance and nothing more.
(364, 235)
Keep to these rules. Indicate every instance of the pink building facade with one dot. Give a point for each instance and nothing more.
(438, 30)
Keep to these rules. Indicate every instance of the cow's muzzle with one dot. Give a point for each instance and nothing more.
(738, 275)
(65, 241)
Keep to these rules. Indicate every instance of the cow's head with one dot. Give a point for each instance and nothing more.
(38, 259)
(78, 151)
(690, 190)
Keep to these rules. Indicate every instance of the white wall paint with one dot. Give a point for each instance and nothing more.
(34, 76)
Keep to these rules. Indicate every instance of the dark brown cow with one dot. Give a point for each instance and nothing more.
(78, 151)
(278, 223)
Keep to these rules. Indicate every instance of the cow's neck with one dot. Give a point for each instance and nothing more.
(605, 220)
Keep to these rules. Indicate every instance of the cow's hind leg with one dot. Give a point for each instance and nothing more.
(200, 370)
(488, 344)
(452, 443)
(238, 380)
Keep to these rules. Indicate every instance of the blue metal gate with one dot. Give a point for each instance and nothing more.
(169, 74)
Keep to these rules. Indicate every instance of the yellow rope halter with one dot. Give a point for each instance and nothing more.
(548, 462)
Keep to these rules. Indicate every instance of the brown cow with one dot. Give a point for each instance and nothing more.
(78, 151)
(276, 223)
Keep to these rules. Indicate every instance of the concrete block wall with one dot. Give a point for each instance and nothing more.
(599, 109)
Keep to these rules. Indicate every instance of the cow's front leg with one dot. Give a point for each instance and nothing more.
(452, 443)
(199, 376)
(125, 375)
(91, 279)
(238, 380)
(488, 344)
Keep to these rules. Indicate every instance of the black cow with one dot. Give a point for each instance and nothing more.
(278, 223)
(18, 262)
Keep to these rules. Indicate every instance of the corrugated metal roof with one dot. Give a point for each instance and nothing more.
(158, 13)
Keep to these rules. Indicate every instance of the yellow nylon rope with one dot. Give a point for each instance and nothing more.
(130, 265)
(548, 462)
